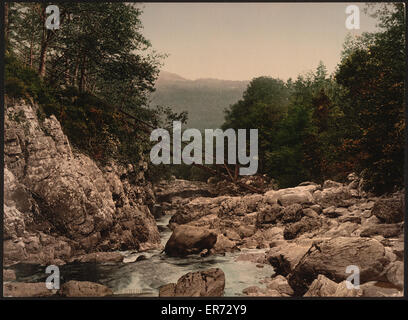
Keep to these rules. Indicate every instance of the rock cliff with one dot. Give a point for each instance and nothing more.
(59, 203)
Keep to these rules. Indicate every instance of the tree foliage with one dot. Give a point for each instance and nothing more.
(97, 63)
(323, 127)
(372, 77)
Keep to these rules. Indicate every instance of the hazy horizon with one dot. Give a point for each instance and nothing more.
(240, 41)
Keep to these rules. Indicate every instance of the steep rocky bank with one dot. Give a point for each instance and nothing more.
(59, 203)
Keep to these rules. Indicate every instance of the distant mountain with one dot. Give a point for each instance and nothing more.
(203, 99)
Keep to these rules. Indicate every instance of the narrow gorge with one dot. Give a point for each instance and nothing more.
(111, 232)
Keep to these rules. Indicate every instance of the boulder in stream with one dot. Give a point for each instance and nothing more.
(187, 240)
(206, 283)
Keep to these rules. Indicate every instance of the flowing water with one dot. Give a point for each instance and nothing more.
(137, 277)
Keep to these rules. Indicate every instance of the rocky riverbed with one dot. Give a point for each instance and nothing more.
(309, 234)
(112, 233)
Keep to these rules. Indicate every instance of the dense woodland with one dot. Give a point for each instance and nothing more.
(316, 127)
(322, 126)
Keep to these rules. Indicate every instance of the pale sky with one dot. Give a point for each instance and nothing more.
(240, 41)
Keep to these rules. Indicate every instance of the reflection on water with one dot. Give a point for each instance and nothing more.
(143, 278)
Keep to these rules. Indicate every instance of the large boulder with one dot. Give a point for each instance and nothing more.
(292, 213)
(385, 230)
(395, 274)
(255, 291)
(333, 196)
(37, 248)
(268, 214)
(289, 196)
(285, 256)
(187, 240)
(23, 289)
(239, 206)
(324, 287)
(380, 289)
(75, 288)
(321, 287)
(280, 284)
(292, 198)
(224, 244)
(207, 283)
(332, 257)
(306, 224)
(389, 210)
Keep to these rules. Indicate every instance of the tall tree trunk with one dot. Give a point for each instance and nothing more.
(6, 24)
(43, 57)
(31, 50)
(82, 77)
(44, 44)
(76, 70)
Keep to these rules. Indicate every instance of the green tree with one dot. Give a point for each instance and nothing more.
(263, 106)
(96, 63)
(372, 74)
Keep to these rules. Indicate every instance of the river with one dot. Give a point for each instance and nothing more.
(136, 277)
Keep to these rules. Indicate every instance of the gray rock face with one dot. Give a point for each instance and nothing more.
(187, 240)
(207, 283)
(389, 210)
(332, 257)
(60, 193)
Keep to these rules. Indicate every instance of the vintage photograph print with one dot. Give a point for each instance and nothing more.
(251, 150)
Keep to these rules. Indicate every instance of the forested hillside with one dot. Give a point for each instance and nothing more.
(322, 126)
(203, 99)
